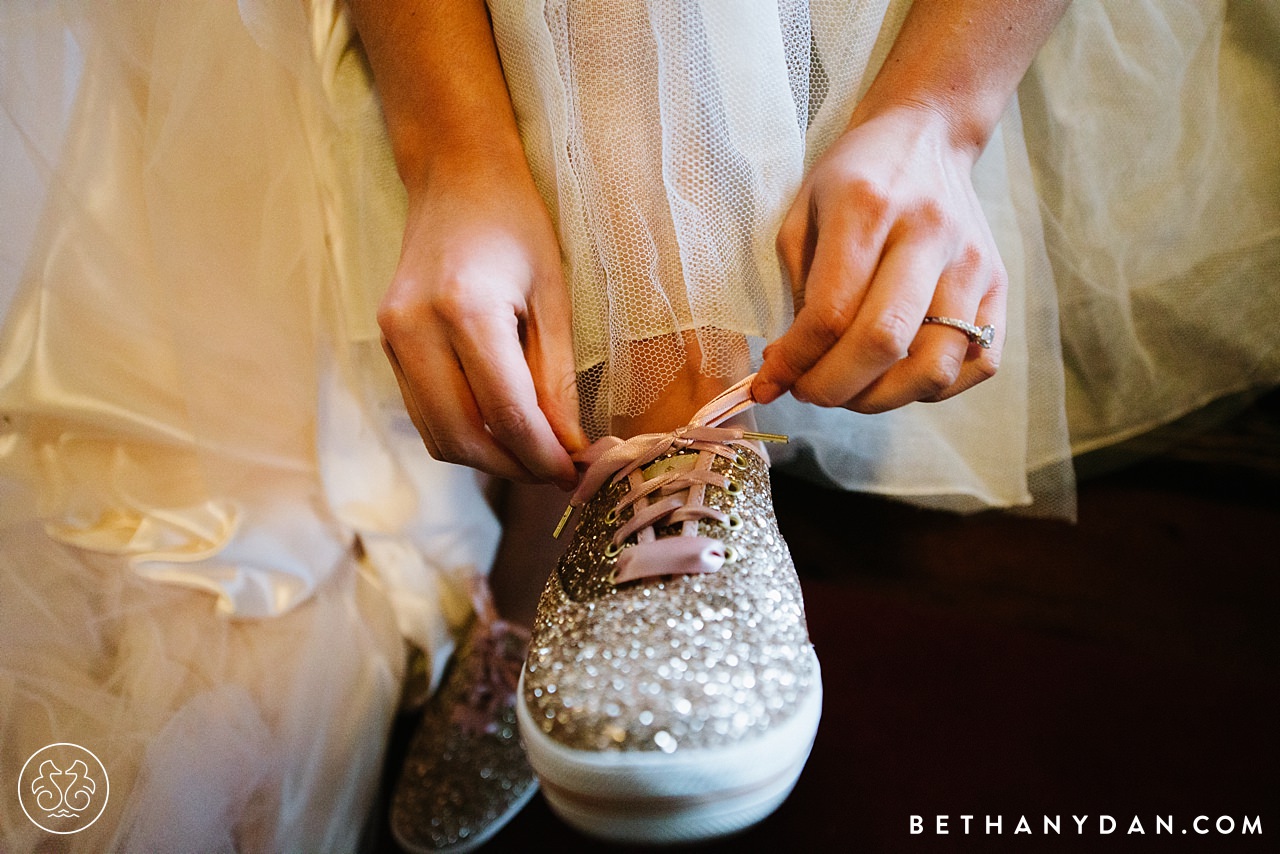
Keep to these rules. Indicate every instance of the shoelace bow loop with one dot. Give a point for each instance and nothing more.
(674, 496)
(497, 663)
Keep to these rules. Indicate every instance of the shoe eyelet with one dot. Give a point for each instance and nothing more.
(612, 549)
(611, 517)
(730, 554)
(734, 523)
(733, 487)
(740, 462)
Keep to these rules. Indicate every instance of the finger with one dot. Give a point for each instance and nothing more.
(844, 259)
(795, 245)
(493, 361)
(458, 428)
(885, 325)
(549, 351)
(934, 365)
(938, 354)
(442, 407)
(981, 364)
(410, 405)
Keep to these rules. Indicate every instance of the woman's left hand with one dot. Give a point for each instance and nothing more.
(885, 231)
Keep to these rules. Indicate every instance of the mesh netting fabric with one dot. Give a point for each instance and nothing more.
(668, 138)
(1153, 129)
(1134, 202)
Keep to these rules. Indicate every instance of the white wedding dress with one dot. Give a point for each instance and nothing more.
(219, 531)
(199, 424)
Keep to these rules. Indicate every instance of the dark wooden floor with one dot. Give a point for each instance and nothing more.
(1127, 665)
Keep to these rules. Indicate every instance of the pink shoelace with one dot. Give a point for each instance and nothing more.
(497, 675)
(671, 495)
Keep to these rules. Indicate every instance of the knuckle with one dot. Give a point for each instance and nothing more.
(411, 302)
(395, 316)
(999, 276)
(790, 236)
(830, 322)
(408, 306)
(928, 216)
(455, 308)
(453, 450)
(889, 336)
(971, 260)
(782, 243)
(866, 406)
(560, 387)
(786, 361)
(509, 421)
(819, 394)
(987, 365)
(940, 375)
(870, 197)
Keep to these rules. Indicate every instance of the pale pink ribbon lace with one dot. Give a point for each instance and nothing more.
(497, 666)
(675, 496)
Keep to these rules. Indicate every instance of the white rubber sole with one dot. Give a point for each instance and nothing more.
(652, 797)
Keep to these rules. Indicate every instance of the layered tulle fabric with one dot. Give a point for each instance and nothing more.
(669, 140)
(1133, 202)
(217, 527)
(219, 530)
(1152, 128)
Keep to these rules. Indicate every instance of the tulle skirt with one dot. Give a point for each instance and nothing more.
(1132, 190)
(220, 535)
(219, 532)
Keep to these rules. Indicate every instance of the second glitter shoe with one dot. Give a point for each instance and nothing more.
(671, 693)
(465, 774)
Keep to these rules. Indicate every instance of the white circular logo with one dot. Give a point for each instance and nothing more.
(63, 788)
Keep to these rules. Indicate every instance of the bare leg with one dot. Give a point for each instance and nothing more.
(682, 398)
(528, 551)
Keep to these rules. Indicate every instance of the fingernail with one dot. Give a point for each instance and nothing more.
(765, 391)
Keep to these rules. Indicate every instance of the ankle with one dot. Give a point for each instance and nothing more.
(683, 397)
(527, 552)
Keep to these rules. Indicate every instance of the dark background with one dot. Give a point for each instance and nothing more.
(1000, 665)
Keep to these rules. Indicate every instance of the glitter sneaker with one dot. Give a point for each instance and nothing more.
(671, 692)
(465, 774)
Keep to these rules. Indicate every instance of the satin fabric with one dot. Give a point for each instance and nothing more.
(219, 532)
(220, 535)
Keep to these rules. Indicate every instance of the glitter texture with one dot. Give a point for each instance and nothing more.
(672, 662)
(459, 784)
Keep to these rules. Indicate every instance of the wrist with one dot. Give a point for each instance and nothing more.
(963, 60)
(943, 129)
(426, 157)
(441, 86)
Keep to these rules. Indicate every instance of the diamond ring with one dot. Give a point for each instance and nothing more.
(980, 335)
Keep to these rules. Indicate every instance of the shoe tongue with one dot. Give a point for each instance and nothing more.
(680, 462)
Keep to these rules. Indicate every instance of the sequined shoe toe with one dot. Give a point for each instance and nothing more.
(671, 693)
(465, 774)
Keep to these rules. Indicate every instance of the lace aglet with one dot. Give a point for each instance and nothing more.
(767, 437)
(564, 520)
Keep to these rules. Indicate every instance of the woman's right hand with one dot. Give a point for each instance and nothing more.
(477, 326)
